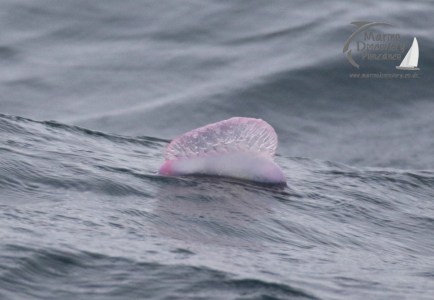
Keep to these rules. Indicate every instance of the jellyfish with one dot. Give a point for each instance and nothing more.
(239, 147)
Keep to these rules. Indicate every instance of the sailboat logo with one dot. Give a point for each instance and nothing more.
(411, 58)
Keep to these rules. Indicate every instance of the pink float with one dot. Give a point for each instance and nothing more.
(238, 147)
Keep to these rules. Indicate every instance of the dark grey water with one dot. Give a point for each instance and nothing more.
(83, 214)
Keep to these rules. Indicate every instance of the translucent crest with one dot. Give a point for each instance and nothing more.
(233, 135)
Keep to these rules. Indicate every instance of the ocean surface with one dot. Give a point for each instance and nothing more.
(91, 93)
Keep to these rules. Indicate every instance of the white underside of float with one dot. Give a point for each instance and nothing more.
(248, 166)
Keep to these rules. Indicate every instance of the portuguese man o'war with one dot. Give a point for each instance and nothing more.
(238, 148)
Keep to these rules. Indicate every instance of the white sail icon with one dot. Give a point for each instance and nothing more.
(411, 58)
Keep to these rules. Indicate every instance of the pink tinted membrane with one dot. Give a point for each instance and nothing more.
(238, 147)
(235, 134)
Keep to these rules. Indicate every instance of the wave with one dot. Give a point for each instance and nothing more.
(87, 209)
(101, 276)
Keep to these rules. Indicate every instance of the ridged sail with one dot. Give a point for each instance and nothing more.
(233, 135)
